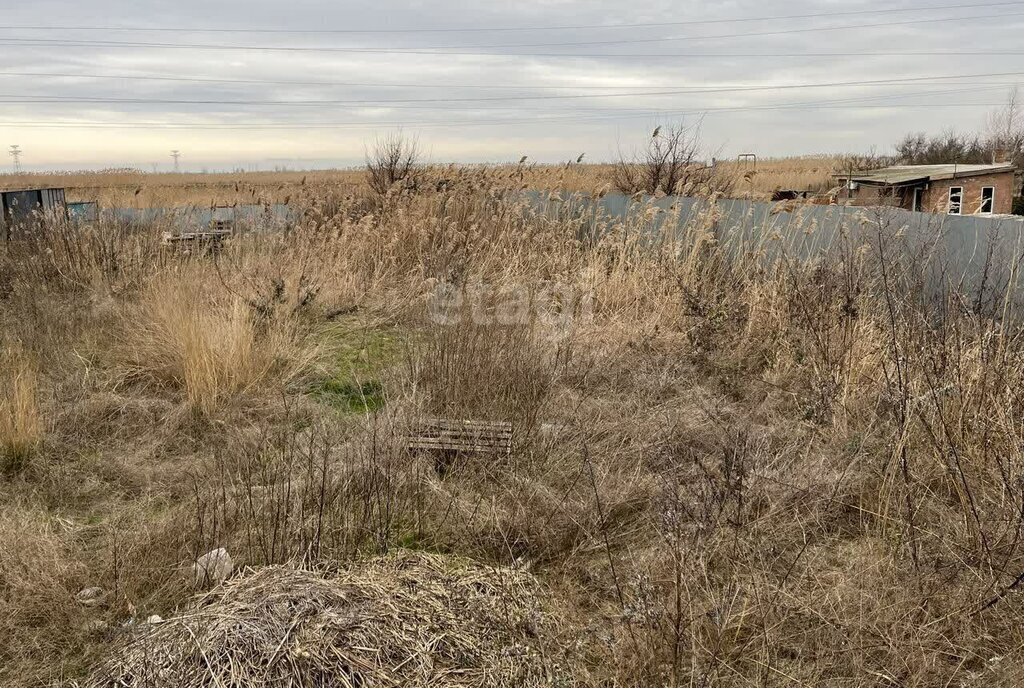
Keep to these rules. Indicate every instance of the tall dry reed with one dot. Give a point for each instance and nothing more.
(21, 424)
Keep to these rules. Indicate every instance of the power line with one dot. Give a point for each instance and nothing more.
(844, 104)
(896, 81)
(292, 82)
(377, 124)
(448, 49)
(38, 99)
(576, 27)
(974, 88)
(15, 153)
(674, 56)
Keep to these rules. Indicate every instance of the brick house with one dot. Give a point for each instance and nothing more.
(953, 189)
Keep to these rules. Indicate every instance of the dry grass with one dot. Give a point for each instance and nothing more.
(134, 189)
(211, 349)
(737, 466)
(21, 425)
(810, 173)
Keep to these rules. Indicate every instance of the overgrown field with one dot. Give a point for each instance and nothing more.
(137, 189)
(724, 471)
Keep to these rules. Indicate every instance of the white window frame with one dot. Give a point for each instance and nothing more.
(959, 200)
(992, 203)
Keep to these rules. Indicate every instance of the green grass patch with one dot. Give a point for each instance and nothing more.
(418, 542)
(359, 357)
(351, 396)
(361, 352)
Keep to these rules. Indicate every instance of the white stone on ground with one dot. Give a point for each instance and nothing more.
(213, 567)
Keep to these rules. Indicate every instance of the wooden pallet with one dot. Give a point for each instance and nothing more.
(461, 436)
(204, 241)
(214, 235)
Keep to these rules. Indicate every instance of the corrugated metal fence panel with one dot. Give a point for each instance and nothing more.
(19, 205)
(959, 246)
(819, 226)
(261, 217)
(23, 207)
(52, 199)
(965, 250)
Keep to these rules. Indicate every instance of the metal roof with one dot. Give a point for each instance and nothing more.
(906, 174)
(33, 188)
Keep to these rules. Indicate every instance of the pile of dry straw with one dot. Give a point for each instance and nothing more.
(409, 620)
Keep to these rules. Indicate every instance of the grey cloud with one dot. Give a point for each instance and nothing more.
(818, 120)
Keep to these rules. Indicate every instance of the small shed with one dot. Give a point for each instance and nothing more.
(953, 188)
(23, 207)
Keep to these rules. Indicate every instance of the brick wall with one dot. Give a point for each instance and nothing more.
(871, 195)
(936, 198)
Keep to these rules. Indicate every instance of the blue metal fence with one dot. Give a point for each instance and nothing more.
(967, 249)
(189, 219)
(973, 252)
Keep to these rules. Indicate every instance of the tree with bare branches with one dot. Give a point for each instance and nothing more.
(1005, 129)
(394, 160)
(1001, 140)
(672, 163)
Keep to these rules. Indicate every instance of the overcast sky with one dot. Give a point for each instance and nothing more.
(487, 81)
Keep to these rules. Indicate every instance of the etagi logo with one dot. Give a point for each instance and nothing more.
(556, 305)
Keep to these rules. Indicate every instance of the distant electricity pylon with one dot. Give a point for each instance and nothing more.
(15, 154)
(175, 154)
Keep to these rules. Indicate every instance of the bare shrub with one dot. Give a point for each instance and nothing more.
(674, 162)
(860, 162)
(305, 497)
(1000, 140)
(483, 371)
(393, 162)
(947, 147)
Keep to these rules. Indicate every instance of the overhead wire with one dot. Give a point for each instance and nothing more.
(826, 104)
(900, 81)
(461, 49)
(419, 103)
(22, 98)
(495, 29)
(376, 124)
